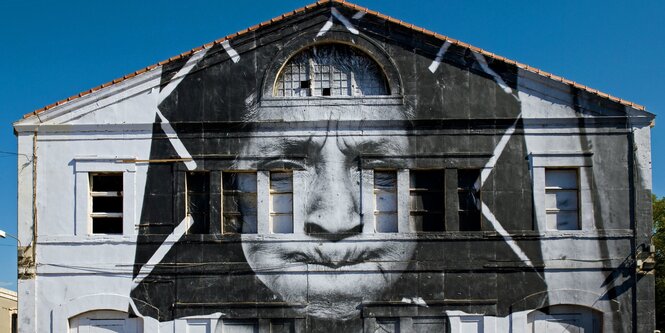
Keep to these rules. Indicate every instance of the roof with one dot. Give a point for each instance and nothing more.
(358, 8)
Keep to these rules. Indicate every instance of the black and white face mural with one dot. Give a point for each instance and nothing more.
(364, 181)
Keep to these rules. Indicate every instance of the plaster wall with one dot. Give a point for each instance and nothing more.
(462, 112)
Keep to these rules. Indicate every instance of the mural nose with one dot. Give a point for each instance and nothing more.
(332, 207)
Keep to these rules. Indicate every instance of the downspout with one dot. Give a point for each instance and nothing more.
(34, 200)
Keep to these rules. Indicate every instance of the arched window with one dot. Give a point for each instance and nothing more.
(331, 70)
(105, 321)
(565, 318)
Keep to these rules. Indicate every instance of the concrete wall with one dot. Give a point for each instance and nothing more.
(449, 109)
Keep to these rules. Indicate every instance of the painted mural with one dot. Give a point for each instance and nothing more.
(337, 173)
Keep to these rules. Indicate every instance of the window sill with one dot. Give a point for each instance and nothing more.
(332, 100)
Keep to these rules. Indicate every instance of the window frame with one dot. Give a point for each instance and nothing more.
(557, 189)
(463, 190)
(320, 77)
(272, 192)
(582, 161)
(395, 191)
(103, 164)
(207, 219)
(225, 192)
(93, 215)
(441, 190)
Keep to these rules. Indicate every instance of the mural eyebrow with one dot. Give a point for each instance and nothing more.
(370, 146)
(290, 146)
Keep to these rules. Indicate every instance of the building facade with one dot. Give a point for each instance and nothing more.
(8, 311)
(336, 170)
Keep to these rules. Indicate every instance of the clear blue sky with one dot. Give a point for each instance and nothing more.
(50, 50)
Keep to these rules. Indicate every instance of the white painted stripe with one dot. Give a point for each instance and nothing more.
(230, 51)
(498, 150)
(439, 55)
(484, 174)
(488, 70)
(163, 249)
(175, 141)
(344, 21)
(325, 27)
(358, 15)
(175, 81)
(509, 240)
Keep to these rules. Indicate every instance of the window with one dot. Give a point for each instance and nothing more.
(105, 321)
(385, 201)
(239, 326)
(106, 202)
(239, 202)
(387, 325)
(281, 202)
(282, 326)
(468, 193)
(427, 200)
(561, 199)
(197, 326)
(331, 70)
(429, 325)
(198, 201)
(565, 318)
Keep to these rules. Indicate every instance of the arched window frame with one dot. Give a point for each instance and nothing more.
(362, 43)
(331, 69)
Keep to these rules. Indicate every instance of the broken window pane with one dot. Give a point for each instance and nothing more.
(107, 204)
(281, 202)
(107, 225)
(198, 201)
(106, 182)
(239, 202)
(331, 70)
(427, 200)
(106, 209)
(468, 194)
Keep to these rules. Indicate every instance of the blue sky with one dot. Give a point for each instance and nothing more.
(50, 50)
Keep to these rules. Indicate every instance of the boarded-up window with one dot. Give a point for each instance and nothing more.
(427, 200)
(331, 70)
(385, 201)
(282, 326)
(197, 326)
(561, 199)
(239, 326)
(239, 202)
(198, 201)
(106, 202)
(429, 325)
(387, 325)
(281, 202)
(468, 193)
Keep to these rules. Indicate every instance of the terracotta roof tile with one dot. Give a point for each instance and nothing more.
(359, 8)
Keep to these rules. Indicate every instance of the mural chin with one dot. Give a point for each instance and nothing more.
(330, 278)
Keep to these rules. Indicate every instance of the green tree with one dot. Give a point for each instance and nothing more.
(659, 242)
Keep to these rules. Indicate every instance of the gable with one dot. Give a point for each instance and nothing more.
(249, 58)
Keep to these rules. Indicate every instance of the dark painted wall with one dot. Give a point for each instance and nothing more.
(457, 118)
